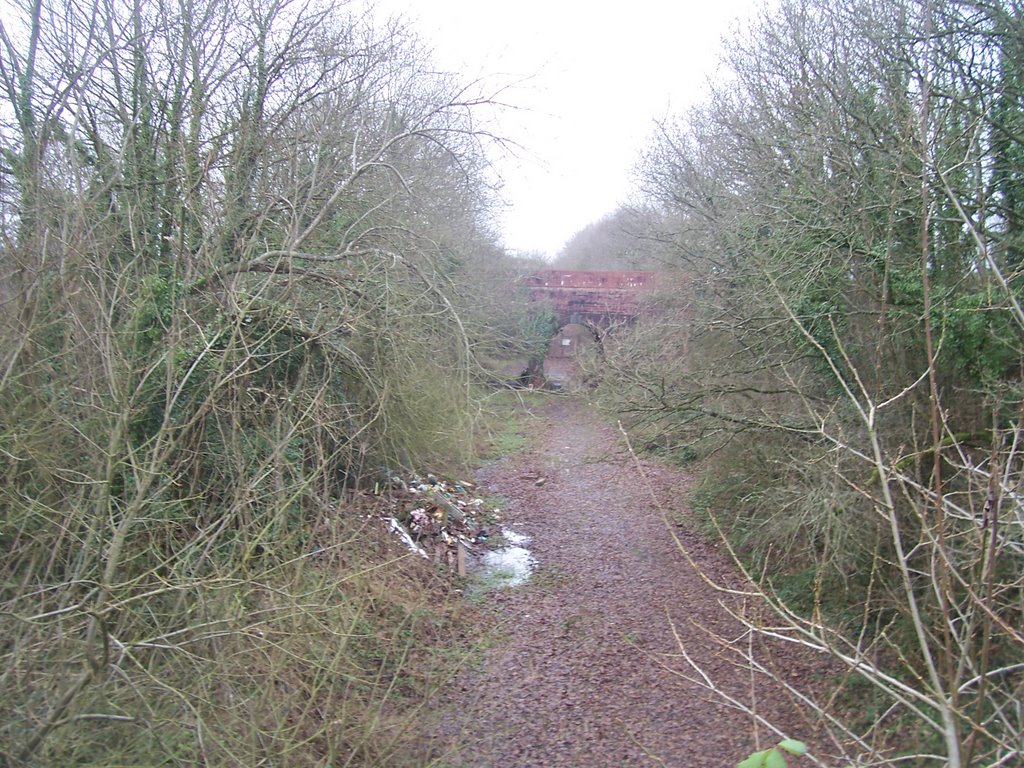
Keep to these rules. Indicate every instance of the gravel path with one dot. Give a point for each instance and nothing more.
(585, 671)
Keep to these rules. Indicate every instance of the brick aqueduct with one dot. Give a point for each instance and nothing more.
(598, 299)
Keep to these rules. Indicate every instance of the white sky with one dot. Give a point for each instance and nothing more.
(598, 74)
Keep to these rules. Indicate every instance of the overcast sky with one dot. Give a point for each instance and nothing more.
(597, 76)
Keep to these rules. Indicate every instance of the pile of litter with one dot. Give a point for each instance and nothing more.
(439, 520)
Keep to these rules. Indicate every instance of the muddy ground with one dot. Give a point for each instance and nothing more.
(587, 667)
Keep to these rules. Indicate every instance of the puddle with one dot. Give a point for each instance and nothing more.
(510, 565)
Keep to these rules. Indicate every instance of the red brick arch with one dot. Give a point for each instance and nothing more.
(595, 298)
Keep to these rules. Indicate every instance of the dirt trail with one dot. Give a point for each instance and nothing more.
(579, 677)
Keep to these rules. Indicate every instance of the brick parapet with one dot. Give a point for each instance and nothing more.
(598, 297)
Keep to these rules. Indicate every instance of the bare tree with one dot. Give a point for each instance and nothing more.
(845, 203)
(231, 236)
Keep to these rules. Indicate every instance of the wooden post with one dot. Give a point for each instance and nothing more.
(460, 557)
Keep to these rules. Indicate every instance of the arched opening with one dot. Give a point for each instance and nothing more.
(573, 340)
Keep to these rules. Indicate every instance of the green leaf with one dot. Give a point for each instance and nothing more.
(793, 746)
(756, 760)
(774, 759)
